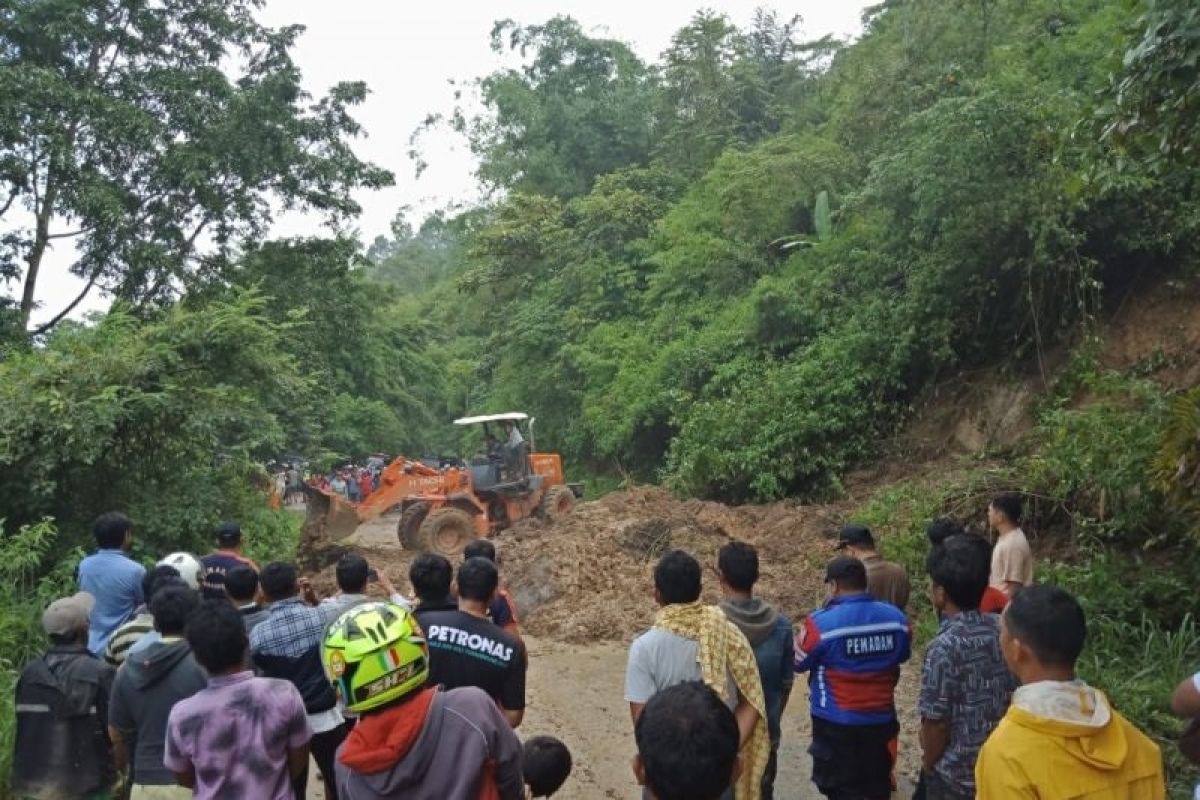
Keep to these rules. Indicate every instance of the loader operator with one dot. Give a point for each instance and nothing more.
(512, 451)
(515, 438)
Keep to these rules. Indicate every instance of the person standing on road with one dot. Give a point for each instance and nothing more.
(431, 575)
(145, 691)
(414, 740)
(352, 574)
(852, 649)
(61, 748)
(940, 530)
(240, 736)
(965, 684)
(129, 634)
(227, 556)
(241, 585)
(287, 645)
(689, 642)
(769, 633)
(1012, 560)
(112, 578)
(886, 580)
(687, 742)
(467, 649)
(503, 609)
(1060, 737)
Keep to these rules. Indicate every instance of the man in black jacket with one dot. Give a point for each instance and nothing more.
(148, 686)
(62, 747)
(287, 645)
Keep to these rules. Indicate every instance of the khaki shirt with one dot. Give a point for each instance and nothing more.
(1012, 560)
(887, 581)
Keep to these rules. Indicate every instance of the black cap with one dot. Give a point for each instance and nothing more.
(846, 568)
(229, 534)
(857, 535)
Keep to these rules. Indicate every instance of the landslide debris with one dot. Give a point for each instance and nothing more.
(588, 577)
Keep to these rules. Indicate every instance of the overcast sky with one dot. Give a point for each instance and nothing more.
(408, 52)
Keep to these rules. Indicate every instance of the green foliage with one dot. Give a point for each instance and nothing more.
(163, 419)
(1176, 469)
(579, 108)
(1154, 112)
(121, 131)
(1099, 442)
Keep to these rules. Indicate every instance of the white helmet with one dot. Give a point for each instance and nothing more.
(188, 566)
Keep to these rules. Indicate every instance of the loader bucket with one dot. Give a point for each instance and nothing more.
(329, 517)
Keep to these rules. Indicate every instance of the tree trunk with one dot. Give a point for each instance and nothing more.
(45, 212)
(40, 240)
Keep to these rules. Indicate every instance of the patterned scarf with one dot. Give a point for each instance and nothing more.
(724, 650)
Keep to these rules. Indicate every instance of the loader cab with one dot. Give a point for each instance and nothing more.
(502, 462)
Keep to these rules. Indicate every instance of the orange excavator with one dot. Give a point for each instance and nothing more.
(444, 508)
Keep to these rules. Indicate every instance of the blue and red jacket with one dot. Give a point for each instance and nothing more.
(852, 649)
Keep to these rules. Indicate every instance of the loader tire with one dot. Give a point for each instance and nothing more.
(410, 524)
(446, 531)
(557, 502)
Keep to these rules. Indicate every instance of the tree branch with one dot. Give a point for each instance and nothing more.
(12, 197)
(69, 234)
(60, 316)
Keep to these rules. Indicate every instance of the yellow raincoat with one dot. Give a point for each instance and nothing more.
(1062, 741)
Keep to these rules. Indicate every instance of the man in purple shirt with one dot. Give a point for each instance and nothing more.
(241, 736)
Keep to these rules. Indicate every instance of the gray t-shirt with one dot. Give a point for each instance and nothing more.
(658, 659)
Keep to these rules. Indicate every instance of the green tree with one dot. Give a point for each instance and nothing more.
(702, 103)
(580, 106)
(122, 135)
(164, 419)
(1155, 109)
(342, 329)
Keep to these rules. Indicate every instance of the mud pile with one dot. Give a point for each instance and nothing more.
(589, 577)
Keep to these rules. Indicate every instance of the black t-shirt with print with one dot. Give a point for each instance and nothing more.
(469, 651)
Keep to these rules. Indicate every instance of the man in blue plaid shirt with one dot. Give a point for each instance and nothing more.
(287, 645)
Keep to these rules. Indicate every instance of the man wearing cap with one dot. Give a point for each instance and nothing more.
(886, 580)
(227, 556)
(62, 747)
(852, 649)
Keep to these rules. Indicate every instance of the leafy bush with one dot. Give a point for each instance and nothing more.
(1099, 443)
(165, 420)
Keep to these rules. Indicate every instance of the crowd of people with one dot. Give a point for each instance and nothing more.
(351, 482)
(1003, 713)
(215, 678)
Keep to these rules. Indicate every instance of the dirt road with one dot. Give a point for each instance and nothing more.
(576, 693)
(575, 689)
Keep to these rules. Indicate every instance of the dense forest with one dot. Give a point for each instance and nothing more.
(735, 270)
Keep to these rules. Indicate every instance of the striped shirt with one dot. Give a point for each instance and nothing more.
(126, 636)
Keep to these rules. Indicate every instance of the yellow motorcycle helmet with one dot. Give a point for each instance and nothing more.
(374, 654)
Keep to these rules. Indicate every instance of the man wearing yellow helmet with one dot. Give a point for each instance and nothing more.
(412, 741)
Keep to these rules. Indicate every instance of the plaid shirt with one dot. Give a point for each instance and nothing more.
(290, 629)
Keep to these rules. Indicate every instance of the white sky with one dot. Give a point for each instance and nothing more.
(407, 52)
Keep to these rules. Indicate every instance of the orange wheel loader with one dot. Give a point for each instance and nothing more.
(444, 508)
